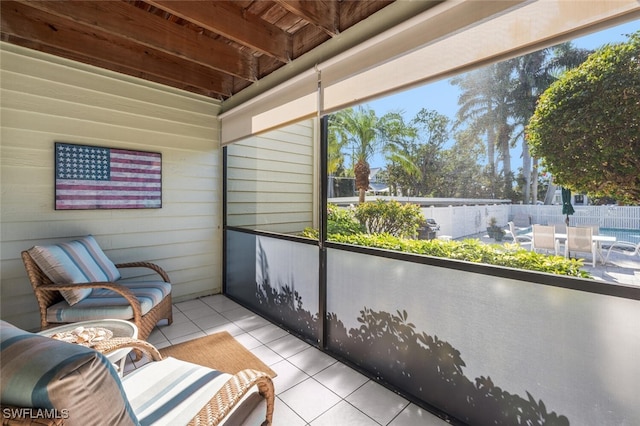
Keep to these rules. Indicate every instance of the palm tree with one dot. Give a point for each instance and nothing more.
(532, 75)
(486, 107)
(335, 159)
(366, 134)
(498, 101)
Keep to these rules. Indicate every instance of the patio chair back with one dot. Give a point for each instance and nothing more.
(595, 229)
(142, 302)
(561, 227)
(580, 239)
(544, 238)
(41, 374)
(518, 239)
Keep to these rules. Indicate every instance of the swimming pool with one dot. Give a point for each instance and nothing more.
(630, 235)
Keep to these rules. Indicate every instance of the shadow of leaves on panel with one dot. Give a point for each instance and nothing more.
(390, 347)
(285, 306)
(282, 303)
(432, 370)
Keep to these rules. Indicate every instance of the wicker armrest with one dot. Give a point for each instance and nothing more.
(149, 265)
(111, 345)
(118, 288)
(231, 393)
(224, 400)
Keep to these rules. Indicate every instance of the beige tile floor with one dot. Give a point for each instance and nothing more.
(312, 388)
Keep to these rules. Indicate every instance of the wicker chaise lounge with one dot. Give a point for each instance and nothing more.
(48, 381)
(57, 286)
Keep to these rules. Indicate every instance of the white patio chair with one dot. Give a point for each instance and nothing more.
(594, 228)
(560, 227)
(518, 239)
(544, 238)
(580, 239)
(595, 231)
(624, 247)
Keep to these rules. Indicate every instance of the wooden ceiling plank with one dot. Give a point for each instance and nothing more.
(226, 19)
(29, 44)
(132, 23)
(210, 47)
(350, 13)
(19, 20)
(323, 14)
(306, 39)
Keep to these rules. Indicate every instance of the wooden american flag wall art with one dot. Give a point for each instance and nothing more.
(93, 177)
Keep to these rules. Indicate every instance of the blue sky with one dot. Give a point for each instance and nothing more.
(443, 97)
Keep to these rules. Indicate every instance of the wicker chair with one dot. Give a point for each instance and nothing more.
(229, 396)
(48, 294)
(77, 385)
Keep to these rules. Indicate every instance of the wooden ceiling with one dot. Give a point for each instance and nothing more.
(214, 48)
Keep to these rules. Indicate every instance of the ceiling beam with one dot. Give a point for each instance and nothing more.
(322, 13)
(88, 45)
(389, 15)
(233, 23)
(109, 66)
(127, 21)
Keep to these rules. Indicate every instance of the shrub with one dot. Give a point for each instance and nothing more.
(339, 221)
(390, 217)
(309, 232)
(343, 227)
(342, 221)
(471, 250)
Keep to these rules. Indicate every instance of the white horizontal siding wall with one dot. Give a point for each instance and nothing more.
(270, 180)
(46, 99)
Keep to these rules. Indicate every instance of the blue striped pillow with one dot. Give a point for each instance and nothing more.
(71, 381)
(75, 262)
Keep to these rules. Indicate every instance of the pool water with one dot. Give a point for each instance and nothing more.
(630, 235)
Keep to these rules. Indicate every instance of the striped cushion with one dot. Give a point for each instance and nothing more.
(75, 262)
(77, 382)
(104, 303)
(171, 391)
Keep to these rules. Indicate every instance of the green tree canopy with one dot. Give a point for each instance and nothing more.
(365, 134)
(497, 101)
(586, 126)
(414, 164)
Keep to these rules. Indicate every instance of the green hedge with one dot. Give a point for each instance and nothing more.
(349, 226)
(471, 250)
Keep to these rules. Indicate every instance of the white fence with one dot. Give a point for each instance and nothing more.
(620, 217)
(461, 221)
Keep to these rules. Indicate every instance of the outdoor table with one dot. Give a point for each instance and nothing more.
(598, 239)
(119, 328)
